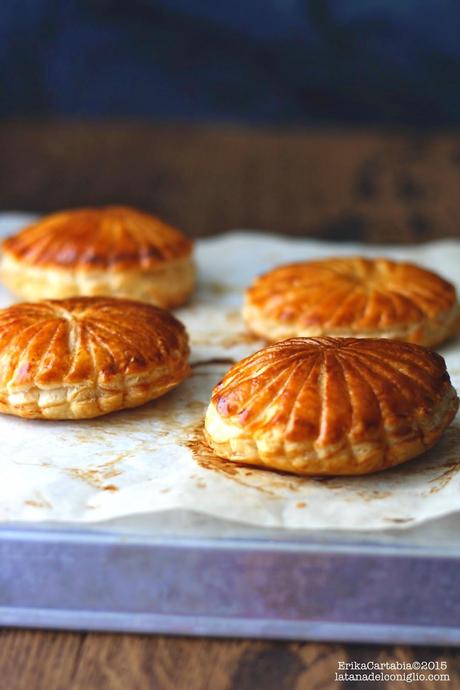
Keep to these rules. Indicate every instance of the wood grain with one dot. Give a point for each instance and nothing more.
(73, 661)
(375, 187)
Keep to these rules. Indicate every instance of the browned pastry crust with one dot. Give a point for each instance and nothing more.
(115, 251)
(86, 356)
(331, 406)
(353, 296)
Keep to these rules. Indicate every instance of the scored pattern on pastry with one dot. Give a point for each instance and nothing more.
(305, 403)
(98, 354)
(113, 251)
(352, 296)
(110, 236)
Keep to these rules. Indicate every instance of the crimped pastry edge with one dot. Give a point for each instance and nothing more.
(85, 401)
(167, 286)
(428, 332)
(271, 451)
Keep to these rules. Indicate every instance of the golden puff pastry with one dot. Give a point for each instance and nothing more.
(86, 356)
(114, 251)
(353, 296)
(331, 406)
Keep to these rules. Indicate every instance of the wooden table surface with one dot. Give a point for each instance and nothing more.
(340, 185)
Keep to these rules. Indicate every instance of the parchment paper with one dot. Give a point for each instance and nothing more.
(151, 459)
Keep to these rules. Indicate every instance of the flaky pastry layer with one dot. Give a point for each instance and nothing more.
(167, 286)
(326, 406)
(84, 357)
(353, 296)
(116, 251)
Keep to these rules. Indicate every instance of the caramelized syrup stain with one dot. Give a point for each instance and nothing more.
(205, 456)
(216, 360)
(273, 480)
(373, 495)
(242, 338)
(445, 477)
(97, 476)
(38, 502)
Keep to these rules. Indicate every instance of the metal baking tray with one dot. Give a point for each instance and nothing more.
(179, 572)
(182, 573)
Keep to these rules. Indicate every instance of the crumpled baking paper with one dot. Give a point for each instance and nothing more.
(152, 459)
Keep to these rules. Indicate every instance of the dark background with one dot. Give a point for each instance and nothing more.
(329, 118)
(282, 62)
